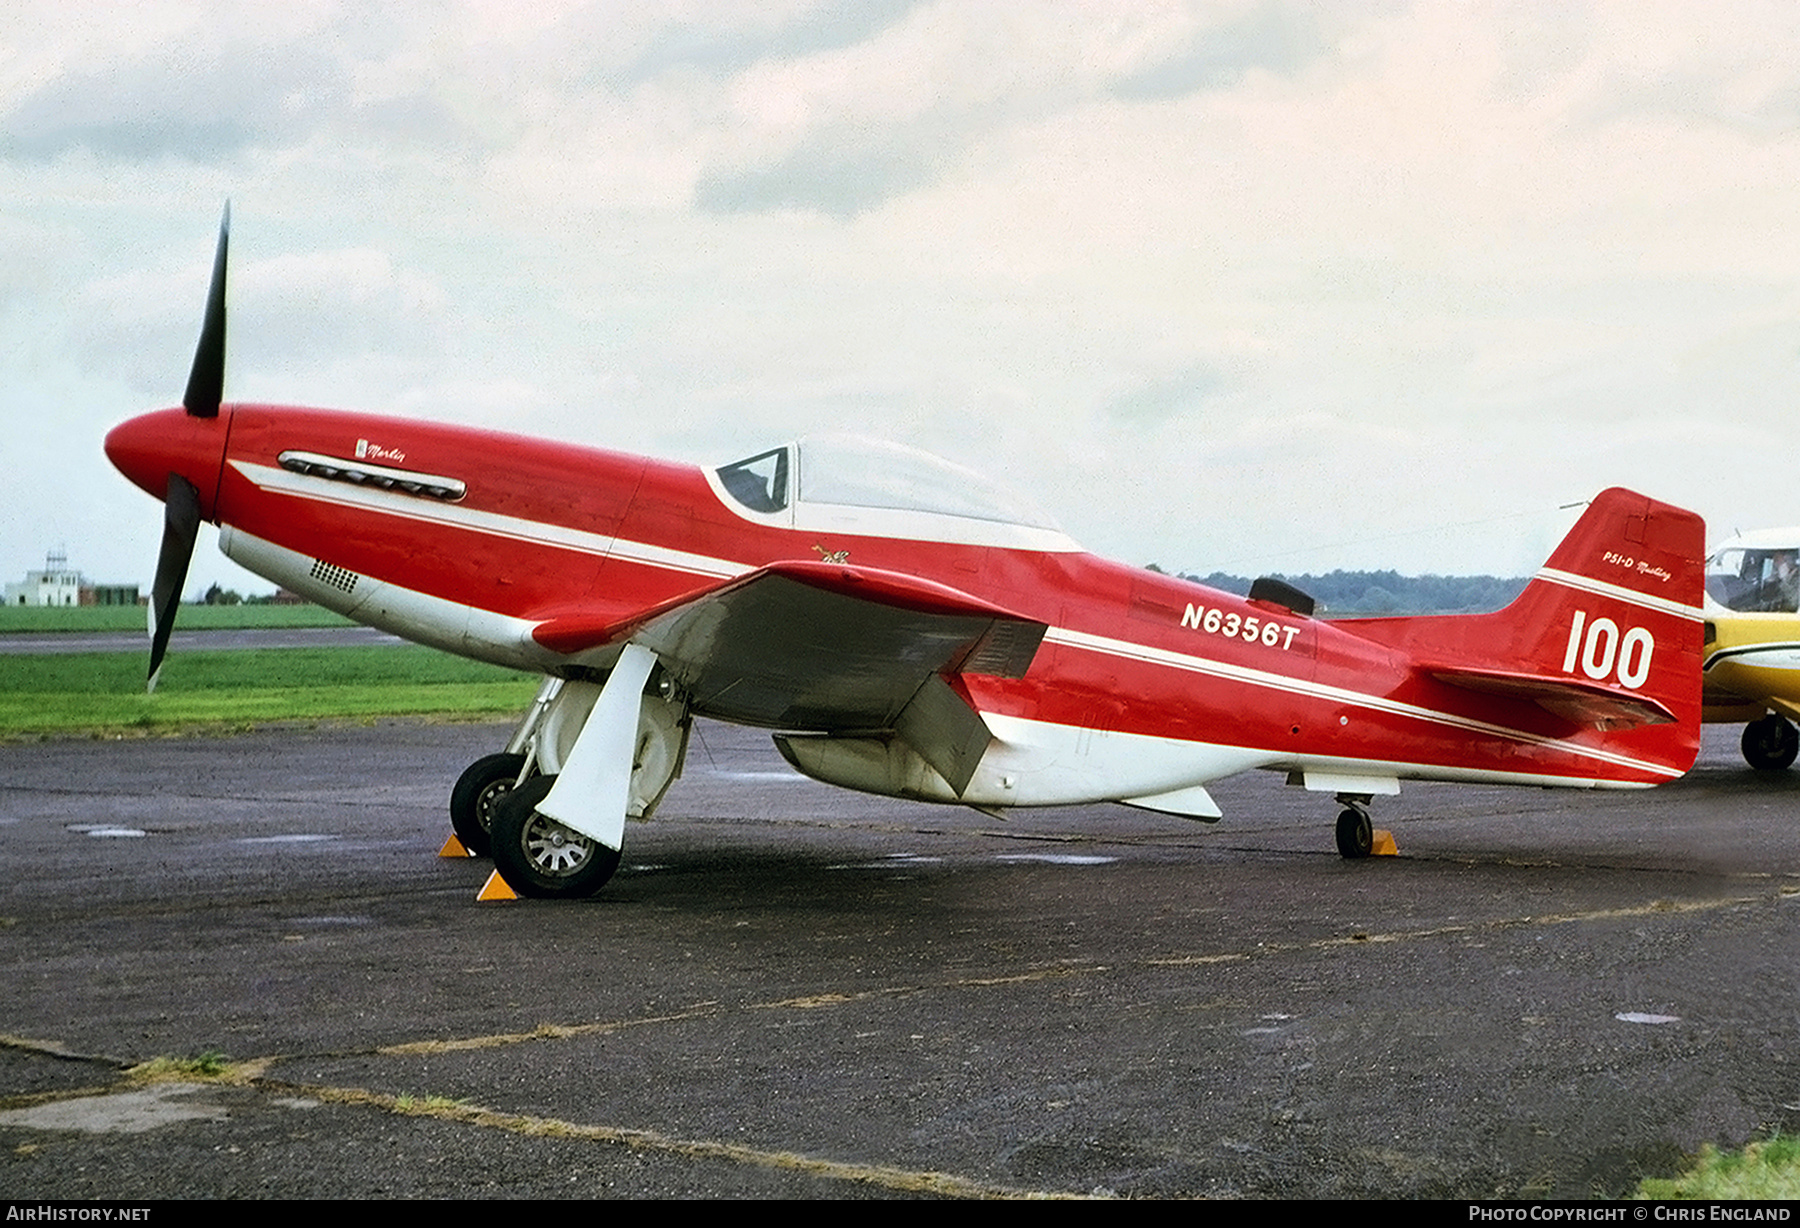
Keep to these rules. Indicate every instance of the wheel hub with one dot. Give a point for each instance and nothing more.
(555, 849)
(490, 798)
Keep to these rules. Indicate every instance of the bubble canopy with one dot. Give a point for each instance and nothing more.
(853, 484)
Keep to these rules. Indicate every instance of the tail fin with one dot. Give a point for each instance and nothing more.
(1606, 636)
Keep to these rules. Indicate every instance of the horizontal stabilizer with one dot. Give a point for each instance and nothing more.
(1584, 703)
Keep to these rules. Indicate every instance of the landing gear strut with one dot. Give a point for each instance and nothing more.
(1771, 743)
(1355, 834)
(588, 757)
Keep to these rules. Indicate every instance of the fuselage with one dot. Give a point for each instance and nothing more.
(1752, 665)
(1144, 684)
(1752, 604)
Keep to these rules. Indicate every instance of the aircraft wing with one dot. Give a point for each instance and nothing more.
(826, 647)
(1584, 703)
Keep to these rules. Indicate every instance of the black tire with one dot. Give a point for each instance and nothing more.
(541, 858)
(1355, 834)
(1771, 744)
(478, 790)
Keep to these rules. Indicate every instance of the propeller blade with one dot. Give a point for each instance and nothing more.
(181, 526)
(206, 381)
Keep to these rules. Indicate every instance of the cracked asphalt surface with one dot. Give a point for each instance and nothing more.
(791, 990)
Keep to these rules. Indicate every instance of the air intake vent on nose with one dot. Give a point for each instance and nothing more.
(381, 477)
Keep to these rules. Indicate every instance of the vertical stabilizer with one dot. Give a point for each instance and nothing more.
(1606, 636)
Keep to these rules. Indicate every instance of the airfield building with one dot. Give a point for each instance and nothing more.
(58, 584)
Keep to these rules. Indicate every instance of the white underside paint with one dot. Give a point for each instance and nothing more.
(1190, 803)
(415, 616)
(1037, 763)
(1049, 765)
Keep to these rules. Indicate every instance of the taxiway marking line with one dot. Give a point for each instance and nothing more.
(887, 1176)
(706, 1010)
(249, 1075)
(544, 1031)
(829, 999)
(1653, 908)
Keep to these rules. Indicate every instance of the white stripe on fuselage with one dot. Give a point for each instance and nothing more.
(514, 528)
(1605, 588)
(511, 528)
(1126, 650)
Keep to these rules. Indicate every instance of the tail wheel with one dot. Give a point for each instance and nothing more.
(542, 858)
(1355, 834)
(1771, 744)
(478, 791)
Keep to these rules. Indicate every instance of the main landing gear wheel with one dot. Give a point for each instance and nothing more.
(478, 790)
(1771, 743)
(540, 857)
(1355, 835)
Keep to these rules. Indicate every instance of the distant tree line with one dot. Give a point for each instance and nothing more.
(1384, 592)
(217, 595)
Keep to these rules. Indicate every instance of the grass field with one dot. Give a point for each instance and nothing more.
(101, 693)
(1766, 1170)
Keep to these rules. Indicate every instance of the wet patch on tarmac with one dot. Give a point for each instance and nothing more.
(122, 1112)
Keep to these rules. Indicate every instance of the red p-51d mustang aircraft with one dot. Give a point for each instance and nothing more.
(904, 628)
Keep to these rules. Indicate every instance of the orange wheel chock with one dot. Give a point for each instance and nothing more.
(496, 888)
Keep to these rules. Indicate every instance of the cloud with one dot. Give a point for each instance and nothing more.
(179, 103)
(291, 310)
(1181, 394)
(1213, 275)
(837, 174)
(734, 39)
(218, 86)
(1276, 36)
(846, 130)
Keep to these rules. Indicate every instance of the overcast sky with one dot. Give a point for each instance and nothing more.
(1249, 286)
